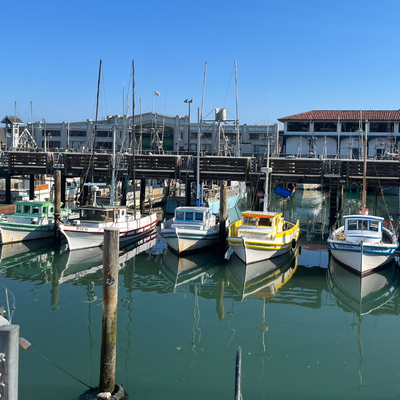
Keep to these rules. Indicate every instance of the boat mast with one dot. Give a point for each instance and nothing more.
(95, 124)
(364, 191)
(133, 138)
(237, 117)
(267, 170)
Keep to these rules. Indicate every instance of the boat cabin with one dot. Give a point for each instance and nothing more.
(97, 214)
(33, 209)
(193, 216)
(262, 220)
(367, 227)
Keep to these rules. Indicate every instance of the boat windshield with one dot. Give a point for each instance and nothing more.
(252, 221)
(265, 222)
(93, 215)
(365, 225)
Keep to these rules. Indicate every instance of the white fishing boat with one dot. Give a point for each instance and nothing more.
(31, 220)
(363, 243)
(261, 235)
(193, 227)
(87, 230)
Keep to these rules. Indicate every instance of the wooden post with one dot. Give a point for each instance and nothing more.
(9, 354)
(222, 214)
(188, 193)
(31, 187)
(109, 315)
(63, 188)
(142, 196)
(8, 189)
(123, 191)
(332, 206)
(57, 199)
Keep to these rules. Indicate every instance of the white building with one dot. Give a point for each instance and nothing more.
(332, 133)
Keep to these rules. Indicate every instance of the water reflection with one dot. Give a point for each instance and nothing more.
(362, 296)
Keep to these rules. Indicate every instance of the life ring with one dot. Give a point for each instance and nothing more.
(354, 188)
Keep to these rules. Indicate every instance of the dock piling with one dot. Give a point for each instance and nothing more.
(109, 314)
(222, 214)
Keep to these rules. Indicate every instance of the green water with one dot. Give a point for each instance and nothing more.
(308, 329)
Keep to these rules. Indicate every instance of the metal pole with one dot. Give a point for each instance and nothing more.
(9, 354)
(222, 214)
(238, 375)
(109, 315)
(57, 198)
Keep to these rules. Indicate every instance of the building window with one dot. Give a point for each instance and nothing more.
(386, 127)
(254, 136)
(103, 133)
(298, 126)
(352, 126)
(77, 133)
(52, 132)
(325, 126)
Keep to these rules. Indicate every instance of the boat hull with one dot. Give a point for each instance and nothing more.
(13, 233)
(185, 241)
(361, 258)
(252, 251)
(82, 237)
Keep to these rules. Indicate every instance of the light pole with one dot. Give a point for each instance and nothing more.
(43, 121)
(189, 102)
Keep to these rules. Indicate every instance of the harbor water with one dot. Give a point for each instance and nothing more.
(308, 328)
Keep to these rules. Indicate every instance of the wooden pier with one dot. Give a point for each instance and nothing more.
(333, 173)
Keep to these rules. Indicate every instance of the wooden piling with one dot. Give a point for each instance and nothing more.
(57, 198)
(188, 193)
(222, 214)
(31, 187)
(8, 189)
(109, 315)
(333, 206)
(142, 195)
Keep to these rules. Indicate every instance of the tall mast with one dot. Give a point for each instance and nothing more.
(95, 124)
(237, 116)
(133, 138)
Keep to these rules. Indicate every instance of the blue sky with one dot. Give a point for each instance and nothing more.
(292, 56)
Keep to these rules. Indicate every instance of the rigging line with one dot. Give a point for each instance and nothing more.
(229, 85)
(51, 362)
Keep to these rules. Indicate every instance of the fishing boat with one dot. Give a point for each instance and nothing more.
(193, 228)
(87, 230)
(363, 243)
(261, 235)
(31, 220)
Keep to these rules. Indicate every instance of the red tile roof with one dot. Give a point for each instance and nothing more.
(345, 115)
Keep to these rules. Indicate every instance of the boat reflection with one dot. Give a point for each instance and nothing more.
(362, 295)
(82, 263)
(194, 269)
(264, 278)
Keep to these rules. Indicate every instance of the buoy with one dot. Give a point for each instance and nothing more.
(24, 343)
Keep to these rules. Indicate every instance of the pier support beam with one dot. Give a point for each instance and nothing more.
(333, 206)
(31, 187)
(123, 190)
(8, 189)
(57, 199)
(109, 314)
(63, 188)
(188, 193)
(142, 195)
(222, 214)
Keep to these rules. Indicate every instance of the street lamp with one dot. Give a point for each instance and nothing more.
(43, 121)
(189, 102)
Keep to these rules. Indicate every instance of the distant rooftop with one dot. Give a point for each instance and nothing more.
(9, 119)
(344, 115)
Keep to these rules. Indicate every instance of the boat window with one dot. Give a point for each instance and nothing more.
(51, 209)
(44, 210)
(252, 221)
(374, 226)
(35, 210)
(18, 209)
(189, 216)
(352, 225)
(198, 216)
(180, 215)
(364, 225)
(27, 209)
(265, 222)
